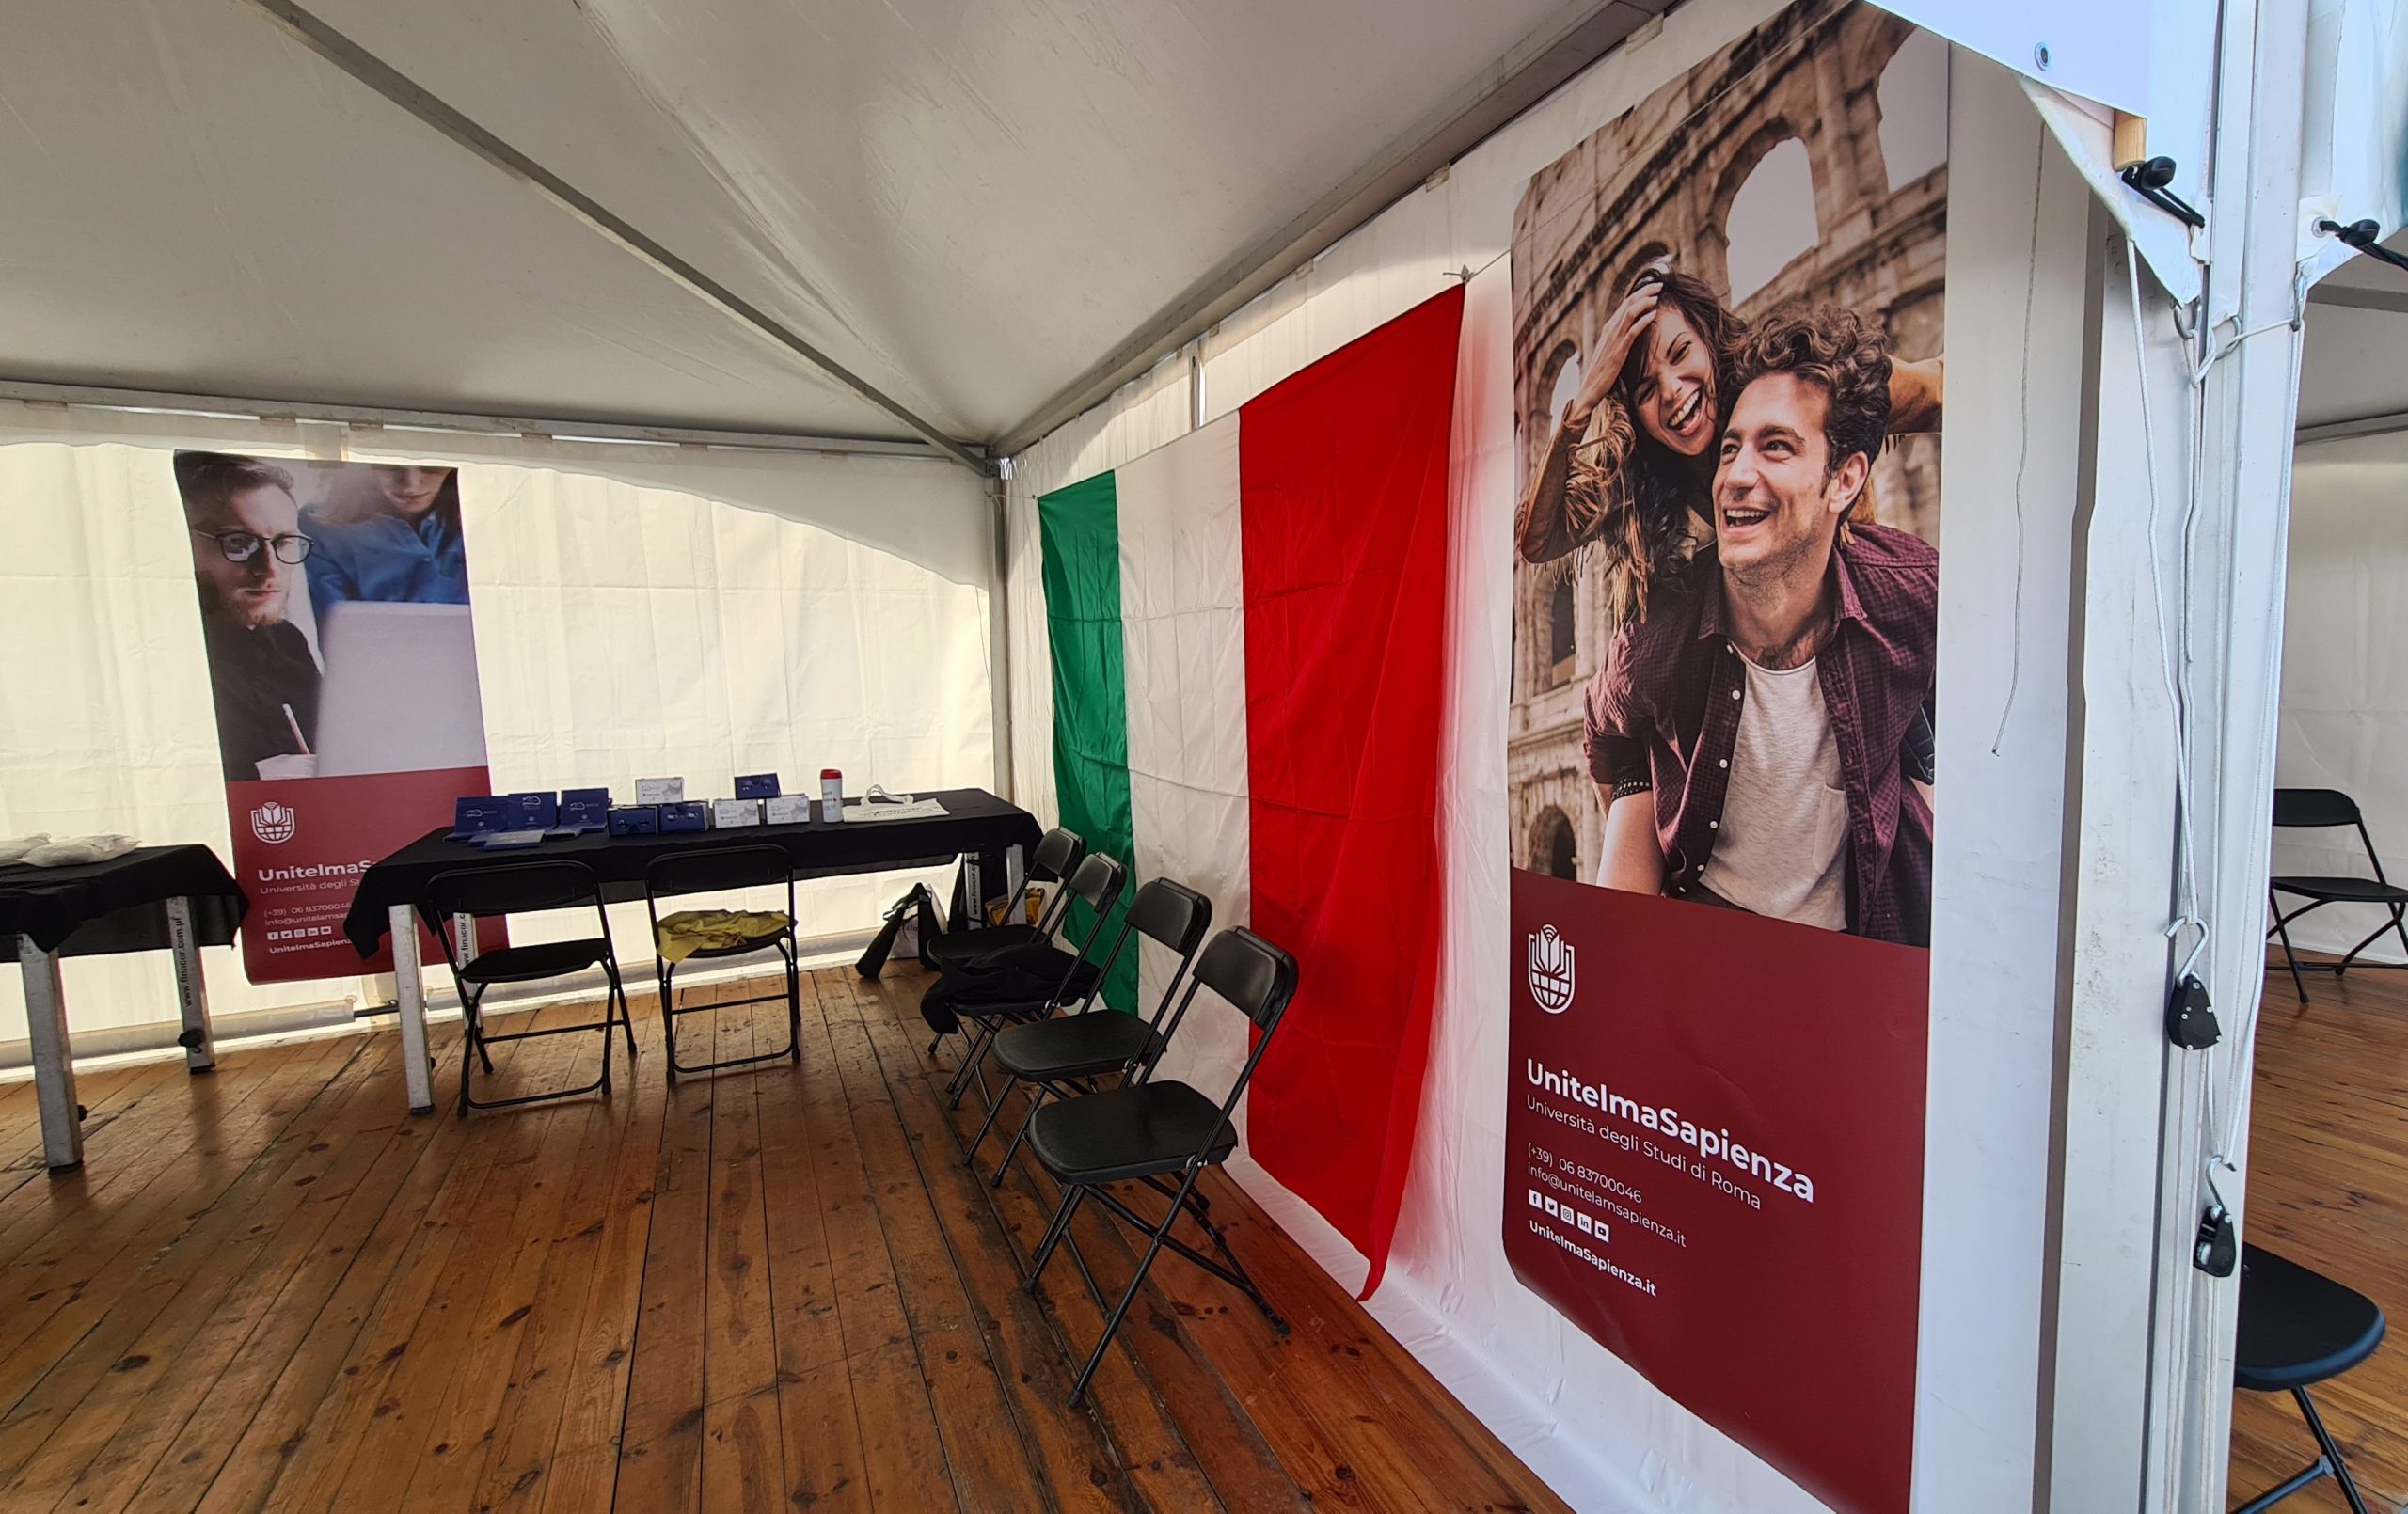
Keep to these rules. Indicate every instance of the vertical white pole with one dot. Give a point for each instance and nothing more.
(409, 998)
(192, 993)
(62, 1118)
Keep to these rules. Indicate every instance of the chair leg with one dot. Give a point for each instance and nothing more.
(794, 1004)
(2290, 957)
(2332, 1452)
(1020, 1137)
(1129, 1295)
(1059, 1226)
(994, 1111)
(2372, 936)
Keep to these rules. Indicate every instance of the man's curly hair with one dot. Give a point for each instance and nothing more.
(1839, 351)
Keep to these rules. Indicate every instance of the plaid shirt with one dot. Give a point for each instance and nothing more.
(1663, 714)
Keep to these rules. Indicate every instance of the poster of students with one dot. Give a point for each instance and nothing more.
(1729, 374)
(334, 610)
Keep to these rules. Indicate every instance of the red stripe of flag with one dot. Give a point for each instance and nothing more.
(1344, 472)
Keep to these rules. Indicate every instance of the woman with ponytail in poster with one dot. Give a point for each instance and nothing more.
(1636, 493)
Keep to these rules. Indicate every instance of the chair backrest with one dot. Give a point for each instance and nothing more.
(2314, 807)
(1256, 977)
(1099, 880)
(519, 889)
(1250, 972)
(1055, 854)
(714, 868)
(1171, 913)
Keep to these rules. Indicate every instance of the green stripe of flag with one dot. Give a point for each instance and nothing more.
(1080, 529)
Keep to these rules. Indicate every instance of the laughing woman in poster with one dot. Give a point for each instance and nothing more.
(1633, 483)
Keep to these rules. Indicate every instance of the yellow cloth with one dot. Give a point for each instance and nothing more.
(690, 931)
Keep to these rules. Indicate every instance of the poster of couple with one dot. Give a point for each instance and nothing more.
(1729, 378)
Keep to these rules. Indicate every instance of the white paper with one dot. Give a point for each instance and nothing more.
(924, 809)
(660, 791)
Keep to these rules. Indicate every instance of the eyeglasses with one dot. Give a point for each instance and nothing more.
(241, 546)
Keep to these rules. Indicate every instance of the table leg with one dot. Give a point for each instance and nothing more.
(192, 993)
(62, 1118)
(409, 998)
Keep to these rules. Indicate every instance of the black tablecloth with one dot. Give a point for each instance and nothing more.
(120, 905)
(974, 822)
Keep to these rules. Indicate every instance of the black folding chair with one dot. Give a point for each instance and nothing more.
(1067, 1053)
(457, 899)
(2329, 808)
(2299, 1328)
(1056, 854)
(716, 870)
(1146, 1131)
(1025, 983)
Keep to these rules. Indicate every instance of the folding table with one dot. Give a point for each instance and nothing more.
(977, 827)
(177, 899)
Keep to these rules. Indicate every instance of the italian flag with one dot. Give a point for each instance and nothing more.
(1247, 636)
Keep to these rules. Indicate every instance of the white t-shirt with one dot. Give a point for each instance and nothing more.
(1781, 846)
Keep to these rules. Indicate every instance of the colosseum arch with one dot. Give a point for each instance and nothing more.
(1768, 200)
(1563, 365)
(1555, 846)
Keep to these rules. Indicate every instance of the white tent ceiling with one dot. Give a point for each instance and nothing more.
(967, 202)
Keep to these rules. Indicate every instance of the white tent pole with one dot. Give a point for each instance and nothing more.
(2239, 489)
(397, 86)
(234, 407)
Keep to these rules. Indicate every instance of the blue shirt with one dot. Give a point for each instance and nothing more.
(386, 560)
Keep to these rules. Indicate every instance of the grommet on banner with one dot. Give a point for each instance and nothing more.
(2367, 237)
(2149, 178)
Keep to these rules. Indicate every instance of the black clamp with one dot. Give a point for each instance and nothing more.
(2188, 1022)
(2149, 179)
(2367, 237)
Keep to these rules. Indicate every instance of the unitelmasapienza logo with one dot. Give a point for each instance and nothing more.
(274, 823)
(1550, 971)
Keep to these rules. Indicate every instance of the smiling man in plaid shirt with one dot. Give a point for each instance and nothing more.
(1745, 735)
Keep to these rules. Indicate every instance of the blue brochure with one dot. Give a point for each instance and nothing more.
(692, 814)
(584, 809)
(757, 786)
(533, 811)
(635, 820)
(505, 841)
(477, 813)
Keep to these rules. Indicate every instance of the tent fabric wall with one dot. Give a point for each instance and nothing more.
(1599, 1434)
(702, 614)
(2345, 671)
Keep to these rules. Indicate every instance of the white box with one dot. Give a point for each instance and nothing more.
(730, 815)
(790, 809)
(660, 791)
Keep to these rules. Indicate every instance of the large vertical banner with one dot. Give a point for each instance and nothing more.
(1727, 310)
(334, 603)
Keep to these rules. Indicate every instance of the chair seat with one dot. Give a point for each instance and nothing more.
(2341, 890)
(541, 959)
(963, 948)
(1137, 1132)
(1034, 959)
(2298, 1327)
(1073, 1046)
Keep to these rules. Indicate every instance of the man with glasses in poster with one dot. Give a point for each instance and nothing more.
(247, 550)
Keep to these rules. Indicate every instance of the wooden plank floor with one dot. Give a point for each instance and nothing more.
(2328, 1187)
(778, 1288)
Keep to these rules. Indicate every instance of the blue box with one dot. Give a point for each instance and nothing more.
(533, 811)
(478, 814)
(757, 786)
(585, 809)
(693, 814)
(635, 820)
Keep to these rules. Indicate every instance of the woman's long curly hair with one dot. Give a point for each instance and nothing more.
(1627, 496)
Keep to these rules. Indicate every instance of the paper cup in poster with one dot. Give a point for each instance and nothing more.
(1728, 370)
(334, 606)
